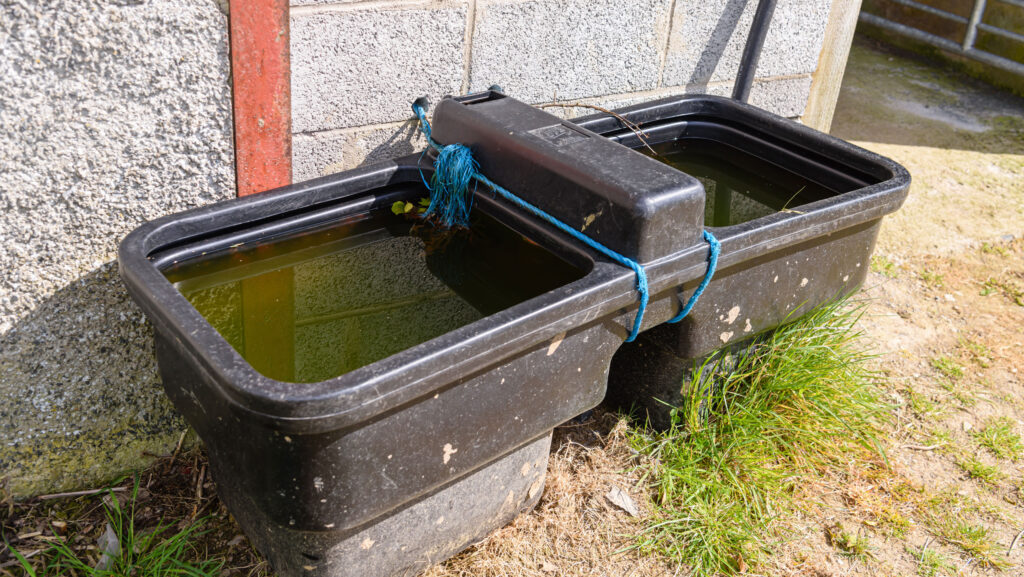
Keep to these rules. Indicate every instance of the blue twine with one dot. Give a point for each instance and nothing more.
(714, 247)
(455, 162)
(453, 171)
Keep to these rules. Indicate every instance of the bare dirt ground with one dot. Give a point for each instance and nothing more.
(946, 317)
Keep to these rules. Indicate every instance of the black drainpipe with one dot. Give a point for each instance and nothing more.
(752, 50)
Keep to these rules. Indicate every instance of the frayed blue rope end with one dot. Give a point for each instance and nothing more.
(454, 169)
(450, 197)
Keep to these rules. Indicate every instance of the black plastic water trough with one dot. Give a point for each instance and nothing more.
(376, 397)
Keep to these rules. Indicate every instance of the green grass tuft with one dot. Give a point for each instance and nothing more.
(139, 552)
(942, 437)
(990, 248)
(799, 400)
(948, 367)
(978, 470)
(932, 279)
(975, 541)
(978, 352)
(999, 436)
(884, 266)
(932, 563)
(893, 522)
(853, 545)
(924, 406)
(1008, 288)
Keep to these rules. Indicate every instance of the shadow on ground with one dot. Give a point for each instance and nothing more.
(63, 428)
(923, 105)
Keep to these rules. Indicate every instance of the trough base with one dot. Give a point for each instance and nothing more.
(648, 379)
(412, 538)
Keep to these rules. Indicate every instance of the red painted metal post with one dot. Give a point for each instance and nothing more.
(261, 78)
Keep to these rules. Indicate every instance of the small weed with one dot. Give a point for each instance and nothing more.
(932, 279)
(948, 367)
(953, 515)
(978, 470)
(938, 506)
(931, 563)
(999, 436)
(1009, 399)
(973, 540)
(884, 266)
(997, 249)
(893, 521)
(850, 544)
(964, 397)
(960, 392)
(941, 437)
(922, 405)
(1009, 289)
(797, 402)
(905, 492)
(978, 352)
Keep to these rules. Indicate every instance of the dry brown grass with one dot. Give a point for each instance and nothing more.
(575, 530)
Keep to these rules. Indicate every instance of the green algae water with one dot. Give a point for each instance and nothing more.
(317, 304)
(738, 186)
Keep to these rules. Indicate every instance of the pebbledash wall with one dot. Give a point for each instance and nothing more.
(113, 113)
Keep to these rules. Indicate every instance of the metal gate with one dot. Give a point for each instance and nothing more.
(1009, 59)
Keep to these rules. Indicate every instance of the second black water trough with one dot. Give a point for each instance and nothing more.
(797, 212)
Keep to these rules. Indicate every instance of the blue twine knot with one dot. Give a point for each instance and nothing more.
(451, 200)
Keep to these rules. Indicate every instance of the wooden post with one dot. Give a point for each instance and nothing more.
(261, 79)
(828, 78)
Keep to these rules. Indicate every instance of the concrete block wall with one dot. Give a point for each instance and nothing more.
(357, 65)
